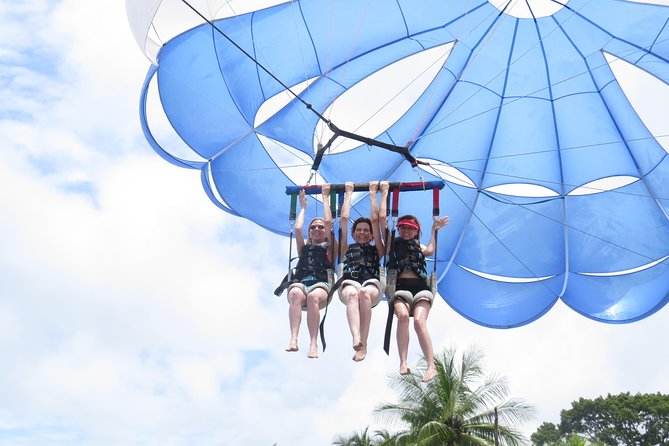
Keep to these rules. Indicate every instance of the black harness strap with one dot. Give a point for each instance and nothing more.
(336, 132)
(333, 207)
(391, 308)
(288, 279)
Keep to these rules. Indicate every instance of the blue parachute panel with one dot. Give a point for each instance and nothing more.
(498, 304)
(620, 299)
(518, 103)
(490, 243)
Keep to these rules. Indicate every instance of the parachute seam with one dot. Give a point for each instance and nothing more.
(412, 36)
(524, 206)
(473, 214)
(400, 92)
(348, 57)
(485, 38)
(569, 226)
(297, 32)
(642, 177)
(565, 211)
(266, 70)
(225, 81)
(311, 38)
(516, 98)
(325, 69)
(573, 185)
(484, 86)
(659, 34)
(259, 55)
(480, 191)
(614, 37)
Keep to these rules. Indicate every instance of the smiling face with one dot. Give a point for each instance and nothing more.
(408, 227)
(317, 231)
(362, 231)
(408, 232)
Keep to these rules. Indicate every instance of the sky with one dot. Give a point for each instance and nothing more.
(134, 312)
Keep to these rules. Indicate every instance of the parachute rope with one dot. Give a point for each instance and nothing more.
(404, 150)
(255, 61)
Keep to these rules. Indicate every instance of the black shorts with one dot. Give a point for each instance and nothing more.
(414, 285)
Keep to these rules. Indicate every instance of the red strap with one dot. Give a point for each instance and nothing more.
(396, 202)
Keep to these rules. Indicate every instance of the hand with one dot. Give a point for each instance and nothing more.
(348, 187)
(385, 186)
(303, 199)
(373, 187)
(440, 223)
(325, 190)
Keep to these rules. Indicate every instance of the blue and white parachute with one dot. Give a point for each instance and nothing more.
(557, 182)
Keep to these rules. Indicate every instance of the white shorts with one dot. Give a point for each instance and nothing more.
(306, 290)
(370, 282)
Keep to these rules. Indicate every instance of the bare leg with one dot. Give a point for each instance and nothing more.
(402, 313)
(365, 296)
(353, 315)
(420, 313)
(314, 298)
(297, 299)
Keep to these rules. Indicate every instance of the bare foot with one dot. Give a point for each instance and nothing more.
(404, 370)
(292, 346)
(358, 346)
(429, 375)
(313, 352)
(360, 354)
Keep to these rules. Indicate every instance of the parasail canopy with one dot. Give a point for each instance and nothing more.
(557, 183)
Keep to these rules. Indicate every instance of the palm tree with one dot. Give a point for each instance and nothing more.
(357, 439)
(457, 408)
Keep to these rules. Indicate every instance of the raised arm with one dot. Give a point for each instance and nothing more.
(436, 225)
(299, 222)
(383, 211)
(345, 214)
(374, 216)
(327, 214)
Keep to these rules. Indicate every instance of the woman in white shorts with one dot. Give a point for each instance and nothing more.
(361, 289)
(309, 290)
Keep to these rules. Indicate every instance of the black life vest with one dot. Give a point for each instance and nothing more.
(407, 255)
(313, 262)
(361, 261)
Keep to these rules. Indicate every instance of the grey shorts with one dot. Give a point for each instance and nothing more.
(357, 286)
(412, 299)
(307, 289)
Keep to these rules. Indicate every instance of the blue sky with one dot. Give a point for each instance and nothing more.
(133, 311)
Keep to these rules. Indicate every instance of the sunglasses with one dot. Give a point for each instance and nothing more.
(312, 227)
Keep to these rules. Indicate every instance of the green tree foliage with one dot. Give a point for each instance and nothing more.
(547, 434)
(624, 419)
(457, 408)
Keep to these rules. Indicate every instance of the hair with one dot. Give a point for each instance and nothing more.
(309, 226)
(358, 221)
(412, 218)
